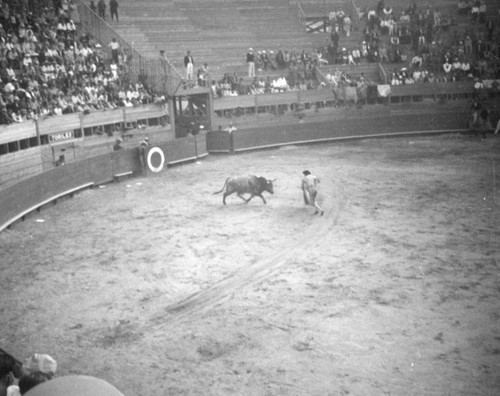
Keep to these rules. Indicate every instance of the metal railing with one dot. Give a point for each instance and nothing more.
(301, 15)
(356, 19)
(160, 75)
(382, 73)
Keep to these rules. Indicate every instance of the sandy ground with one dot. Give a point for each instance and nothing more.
(155, 286)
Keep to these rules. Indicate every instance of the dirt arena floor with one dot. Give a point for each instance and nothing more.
(155, 286)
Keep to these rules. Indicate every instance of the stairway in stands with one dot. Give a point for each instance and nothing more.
(315, 8)
(218, 32)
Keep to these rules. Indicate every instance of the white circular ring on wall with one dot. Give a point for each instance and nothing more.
(151, 152)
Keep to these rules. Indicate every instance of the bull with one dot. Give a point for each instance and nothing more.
(251, 184)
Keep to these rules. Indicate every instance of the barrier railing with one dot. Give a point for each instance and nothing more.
(79, 121)
(448, 89)
(356, 18)
(321, 77)
(160, 75)
(43, 129)
(301, 15)
(382, 73)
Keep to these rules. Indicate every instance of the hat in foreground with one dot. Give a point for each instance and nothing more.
(39, 362)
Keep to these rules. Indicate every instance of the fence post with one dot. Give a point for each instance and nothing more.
(82, 130)
(37, 127)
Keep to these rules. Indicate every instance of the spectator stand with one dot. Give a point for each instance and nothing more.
(83, 86)
(152, 73)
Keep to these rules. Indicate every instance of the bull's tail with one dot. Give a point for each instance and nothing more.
(225, 184)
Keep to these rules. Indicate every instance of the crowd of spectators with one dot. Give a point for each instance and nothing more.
(422, 38)
(342, 78)
(47, 68)
(292, 71)
(434, 49)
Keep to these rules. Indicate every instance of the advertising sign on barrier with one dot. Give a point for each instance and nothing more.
(60, 136)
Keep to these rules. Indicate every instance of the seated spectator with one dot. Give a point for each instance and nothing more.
(356, 54)
(417, 61)
(465, 67)
(463, 6)
(280, 84)
(447, 67)
(475, 12)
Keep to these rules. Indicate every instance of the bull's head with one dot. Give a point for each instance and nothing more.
(269, 186)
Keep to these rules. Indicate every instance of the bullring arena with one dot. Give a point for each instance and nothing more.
(129, 269)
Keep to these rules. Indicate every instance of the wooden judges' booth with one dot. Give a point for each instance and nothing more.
(192, 109)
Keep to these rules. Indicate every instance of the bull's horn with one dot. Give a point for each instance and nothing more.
(274, 180)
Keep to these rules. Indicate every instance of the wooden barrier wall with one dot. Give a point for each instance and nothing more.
(185, 149)
(461, 89)
(383, 121)
(219, 142)
(29, 193)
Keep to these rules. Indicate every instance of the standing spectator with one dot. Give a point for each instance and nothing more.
(251, 63)
(475, 12)
(490, 27)
(93, 6)
(334, 37)
(164, 64)
(202, 75)
(189, 65)
(143, 148)
(114, 46)
(113, 9)
(347, 25)
(231, 128)
(101, 8)
(482, 12)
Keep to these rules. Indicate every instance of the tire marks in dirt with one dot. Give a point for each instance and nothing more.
(317, 232)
